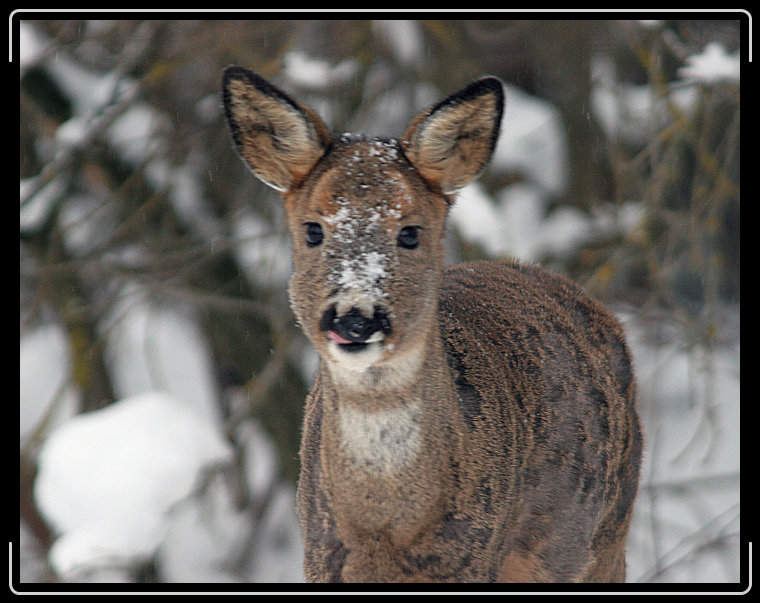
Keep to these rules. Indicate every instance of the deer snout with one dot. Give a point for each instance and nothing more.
(353, 329)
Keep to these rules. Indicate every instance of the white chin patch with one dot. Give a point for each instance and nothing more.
(356, 360)
(352, 367)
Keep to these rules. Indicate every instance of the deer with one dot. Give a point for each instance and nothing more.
(472, 423)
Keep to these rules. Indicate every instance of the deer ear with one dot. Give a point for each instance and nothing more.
(277, 137)
(451, 143)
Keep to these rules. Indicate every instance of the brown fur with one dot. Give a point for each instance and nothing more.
(490, 432)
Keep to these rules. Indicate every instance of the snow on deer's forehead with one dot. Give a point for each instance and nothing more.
(368, 172)
(367, 175)
(384, 150)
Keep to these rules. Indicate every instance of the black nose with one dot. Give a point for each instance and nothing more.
(354, 326)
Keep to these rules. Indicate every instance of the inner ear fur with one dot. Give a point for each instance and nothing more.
(280, 139)
(451, 143)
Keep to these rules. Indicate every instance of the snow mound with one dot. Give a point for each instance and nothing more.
(107, 478)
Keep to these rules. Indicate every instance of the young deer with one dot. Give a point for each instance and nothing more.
(475, 423)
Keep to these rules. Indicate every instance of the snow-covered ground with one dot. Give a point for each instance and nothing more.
(686, 523)
(149, 476)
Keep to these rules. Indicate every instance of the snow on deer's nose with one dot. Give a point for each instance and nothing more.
(359, 255)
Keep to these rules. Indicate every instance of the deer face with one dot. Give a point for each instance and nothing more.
(368, 246)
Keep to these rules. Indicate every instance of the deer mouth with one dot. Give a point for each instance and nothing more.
(348, 345)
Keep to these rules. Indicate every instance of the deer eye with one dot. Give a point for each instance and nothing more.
(314, 234)
(409, 238)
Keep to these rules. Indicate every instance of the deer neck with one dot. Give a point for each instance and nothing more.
(394, 446)
(382, 418)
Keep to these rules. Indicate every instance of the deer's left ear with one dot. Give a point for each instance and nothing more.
(451, 143)
(277, 137)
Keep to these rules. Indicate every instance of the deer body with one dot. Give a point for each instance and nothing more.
(470, 424)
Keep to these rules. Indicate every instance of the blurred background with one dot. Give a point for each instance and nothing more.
(162, 374)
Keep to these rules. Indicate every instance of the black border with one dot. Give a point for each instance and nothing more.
(744, 586)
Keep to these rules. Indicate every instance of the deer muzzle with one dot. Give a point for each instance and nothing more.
(353, 331)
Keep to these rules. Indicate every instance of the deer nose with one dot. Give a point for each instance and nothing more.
(354, 327)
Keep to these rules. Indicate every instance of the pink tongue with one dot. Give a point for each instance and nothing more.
(337, 338)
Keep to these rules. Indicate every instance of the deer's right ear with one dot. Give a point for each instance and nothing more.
(277, 137)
